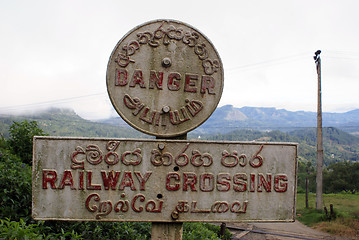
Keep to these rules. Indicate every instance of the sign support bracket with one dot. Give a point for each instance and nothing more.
(168, 230)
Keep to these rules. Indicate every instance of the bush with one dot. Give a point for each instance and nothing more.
(104, 230)
(195, 231)
(339, 177)
(21, 230)
(312, 216)
(15, 187)
(15, 202)
(21, 138)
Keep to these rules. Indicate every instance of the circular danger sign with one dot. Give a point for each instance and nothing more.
(165, 78)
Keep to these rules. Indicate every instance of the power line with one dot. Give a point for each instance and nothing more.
(342, 55)
(348, 53)
(270, 62)
(58, 101)
(343, 58)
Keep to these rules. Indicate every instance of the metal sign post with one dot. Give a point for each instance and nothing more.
(164, 78)
(168, 230)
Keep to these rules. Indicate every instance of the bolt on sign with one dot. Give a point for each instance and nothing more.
(93, 179)
(165, 78)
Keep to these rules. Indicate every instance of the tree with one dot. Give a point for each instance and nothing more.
(342, 176)
(3, 144)
(21, 138)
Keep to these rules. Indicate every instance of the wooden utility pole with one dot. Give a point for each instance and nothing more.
(319, 178)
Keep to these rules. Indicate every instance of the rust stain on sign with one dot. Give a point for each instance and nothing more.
(93, 179)
(165, 78)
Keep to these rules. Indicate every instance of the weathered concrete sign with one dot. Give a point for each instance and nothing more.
(162, 180)
(164, 78)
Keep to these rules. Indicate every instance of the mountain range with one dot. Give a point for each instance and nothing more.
(260, 118)
(340, 132)
(229, 118)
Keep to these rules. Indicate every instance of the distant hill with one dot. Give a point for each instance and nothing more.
(338, 145)
(229, 118)
(65, 122)
(227, 123)
(225, 119)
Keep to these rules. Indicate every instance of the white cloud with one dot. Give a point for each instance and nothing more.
(58, 50)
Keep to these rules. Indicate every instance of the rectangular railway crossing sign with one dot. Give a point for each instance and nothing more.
(97, 179)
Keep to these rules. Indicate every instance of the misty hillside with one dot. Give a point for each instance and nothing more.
(338, 145)
(229, 118)
(65, 122)
(241, 124)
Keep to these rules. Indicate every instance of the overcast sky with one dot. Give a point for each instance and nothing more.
(55, 53)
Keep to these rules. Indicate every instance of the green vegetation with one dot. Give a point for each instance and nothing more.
(340, 176)
(337, 177)
(345, 218)
(345, 204)
(339, 146)
(21, 138)
(195, 231)
(99, 230)
(15, 187)
(341, 155)
(15, 202)
(21, 230)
